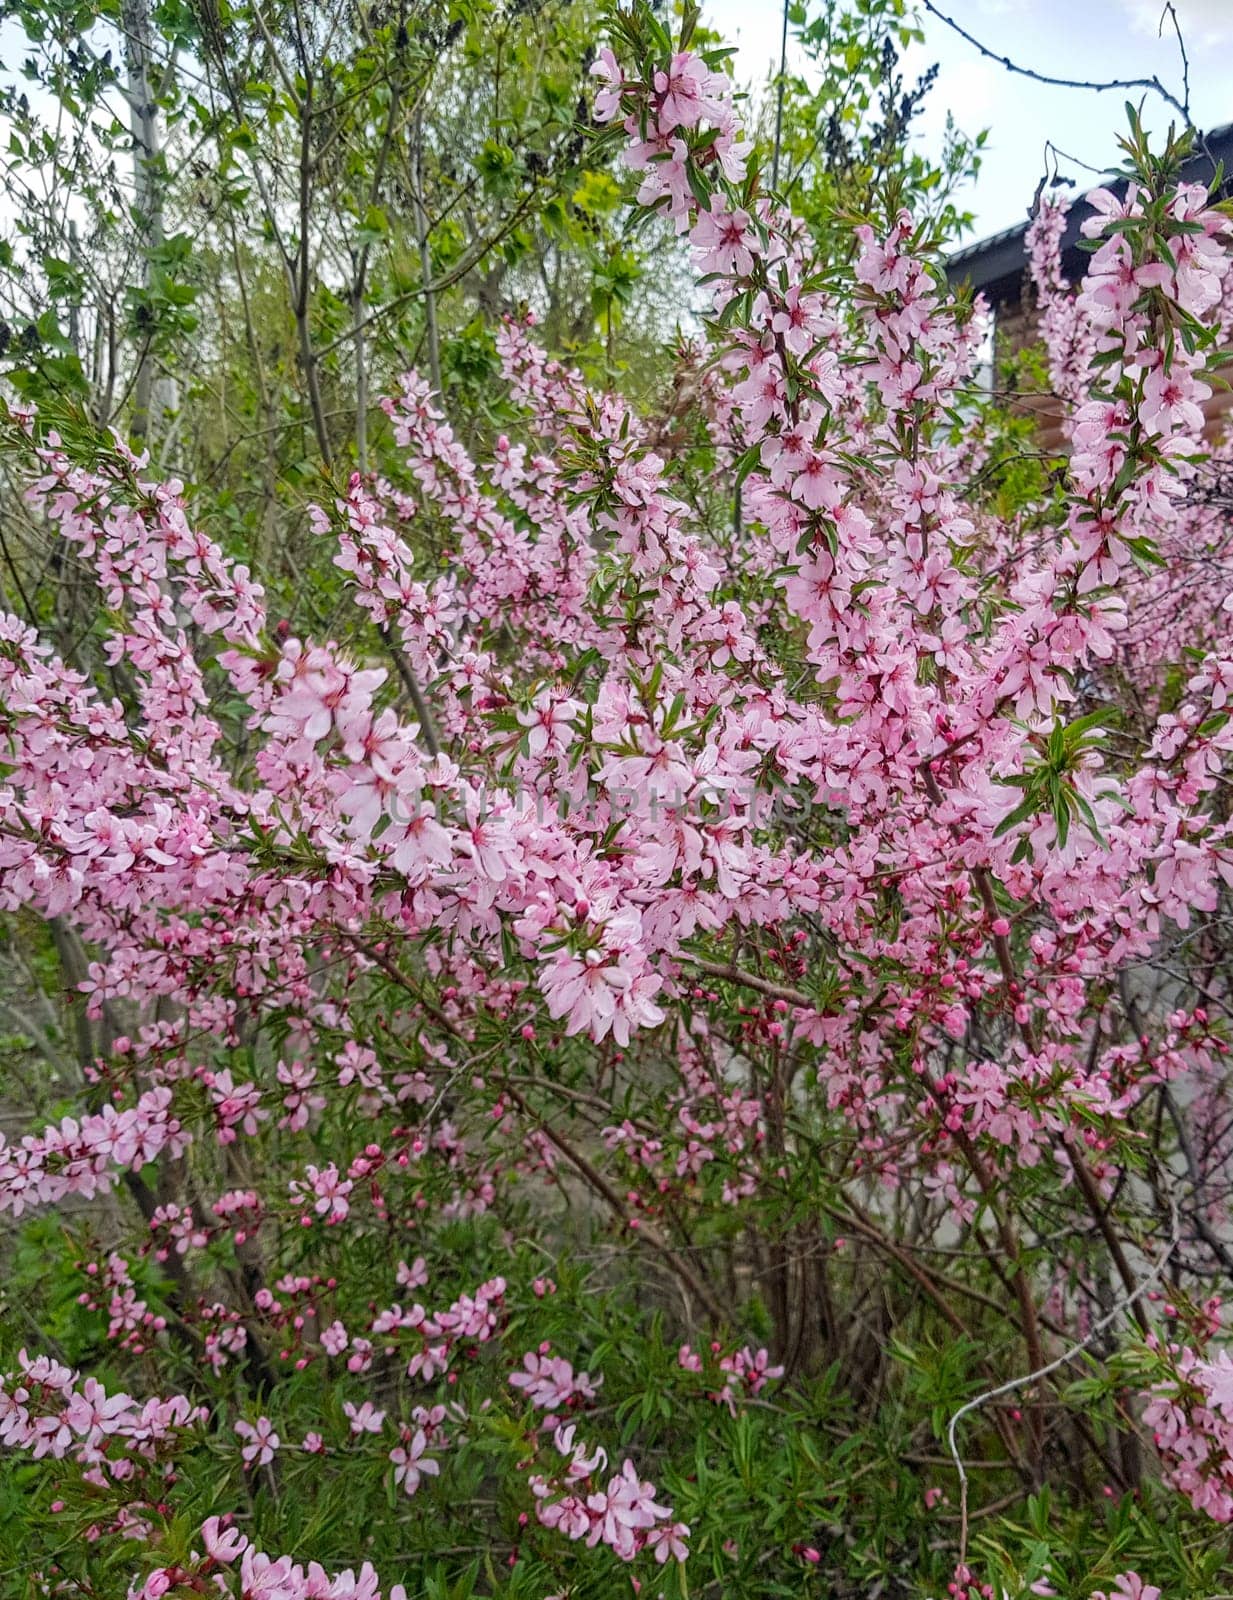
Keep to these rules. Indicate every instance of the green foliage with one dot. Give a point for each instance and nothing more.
(1050, 785)
(845, 137)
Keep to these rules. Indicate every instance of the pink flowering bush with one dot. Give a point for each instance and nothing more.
(689, 1049)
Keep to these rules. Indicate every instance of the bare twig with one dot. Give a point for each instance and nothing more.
(1170, 12)
(783, 73)
(1128, 1302)
(600, 1186)
(411, 683)
(1153, 83)
(731, 973)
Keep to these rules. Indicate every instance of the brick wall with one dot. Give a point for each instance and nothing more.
(1015, 327)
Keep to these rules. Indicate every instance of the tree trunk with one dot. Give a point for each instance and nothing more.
(421, 228)
(154, 394)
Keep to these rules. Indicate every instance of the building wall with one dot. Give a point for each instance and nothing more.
(1015, 326)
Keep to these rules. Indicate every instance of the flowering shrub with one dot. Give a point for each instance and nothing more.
(693, 1047)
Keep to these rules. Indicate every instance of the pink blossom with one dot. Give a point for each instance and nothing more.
(364, 1418)
(262, 1441)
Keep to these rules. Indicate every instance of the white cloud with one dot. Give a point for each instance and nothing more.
(971, 90)
(1204, 23)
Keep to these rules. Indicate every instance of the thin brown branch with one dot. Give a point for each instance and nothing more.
(1153, 83)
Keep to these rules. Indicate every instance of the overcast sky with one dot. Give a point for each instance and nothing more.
(1091, 39)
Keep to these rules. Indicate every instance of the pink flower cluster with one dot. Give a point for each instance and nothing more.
(551, 1384)
(1191, 1418)
(748, 1371)
(1128, 1586)
(623, 1514)
(130, 1319)
(230, 1558)
(84, 1157)
(51, 1412)
(412, 1463)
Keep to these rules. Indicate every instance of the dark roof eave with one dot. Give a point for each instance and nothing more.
(996, 266)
